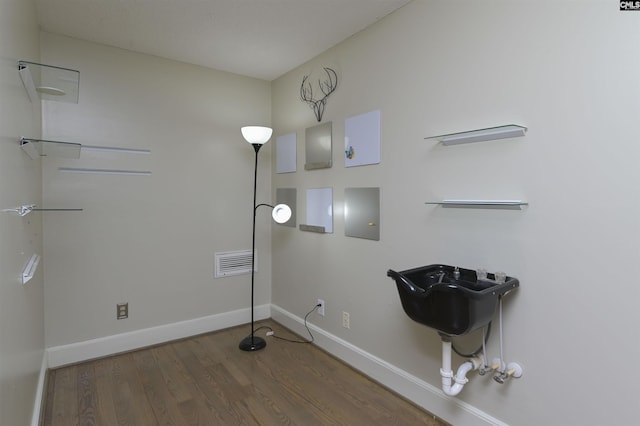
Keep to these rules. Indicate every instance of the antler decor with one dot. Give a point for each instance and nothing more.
(327, 87)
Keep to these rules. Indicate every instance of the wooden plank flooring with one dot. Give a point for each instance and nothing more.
(207, 380)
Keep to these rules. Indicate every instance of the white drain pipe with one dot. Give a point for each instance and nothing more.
(461, 375)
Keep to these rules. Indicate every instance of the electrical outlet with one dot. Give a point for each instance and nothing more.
(122, 311)
(345, 319)
(320, 309)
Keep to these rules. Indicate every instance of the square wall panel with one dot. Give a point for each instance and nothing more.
(362, 213)
(318, 147)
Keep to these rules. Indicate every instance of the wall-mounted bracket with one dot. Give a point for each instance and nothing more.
(30, 270)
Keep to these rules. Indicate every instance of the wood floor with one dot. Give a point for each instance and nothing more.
(207, 380)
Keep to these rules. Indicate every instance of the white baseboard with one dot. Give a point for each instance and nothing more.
(104, 346)
(40, 391)
(418, 391)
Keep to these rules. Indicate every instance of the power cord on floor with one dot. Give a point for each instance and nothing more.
(271, 332)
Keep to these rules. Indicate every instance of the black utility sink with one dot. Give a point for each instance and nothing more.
(449, 299)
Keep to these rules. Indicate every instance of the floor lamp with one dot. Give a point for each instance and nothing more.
(281, 213)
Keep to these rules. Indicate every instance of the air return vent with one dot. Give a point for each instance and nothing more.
(234, 263)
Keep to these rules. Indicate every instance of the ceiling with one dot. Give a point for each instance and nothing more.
(257, 38)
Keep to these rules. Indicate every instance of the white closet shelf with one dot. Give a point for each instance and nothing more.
(481, 135)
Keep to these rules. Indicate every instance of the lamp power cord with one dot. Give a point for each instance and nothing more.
(271, 333)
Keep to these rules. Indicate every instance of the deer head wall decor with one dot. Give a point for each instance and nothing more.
(327, 87)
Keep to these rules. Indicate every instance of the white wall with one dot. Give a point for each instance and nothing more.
(568, 71)
(21, 307)
(149, 241)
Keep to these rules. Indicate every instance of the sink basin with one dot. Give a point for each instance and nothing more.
(433, 296)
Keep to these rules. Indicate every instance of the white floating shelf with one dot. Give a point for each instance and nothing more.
(481, 135)
(49, 82)
(481, 204)
(30, 270)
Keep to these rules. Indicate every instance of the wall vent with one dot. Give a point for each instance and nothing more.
(234, 263)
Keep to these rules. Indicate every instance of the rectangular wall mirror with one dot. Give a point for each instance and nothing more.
(319, 210)
(286, 153)
(318, 147)
(362, 213)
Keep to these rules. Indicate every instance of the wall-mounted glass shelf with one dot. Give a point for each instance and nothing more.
(481, 135)
(49, 82)
(105, 171)
(42, 148)
(28, 208)
(481, 204)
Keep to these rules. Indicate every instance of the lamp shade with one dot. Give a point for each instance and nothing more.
(281, 213)
(256, 134)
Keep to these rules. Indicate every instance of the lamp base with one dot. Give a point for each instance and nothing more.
(252, 343)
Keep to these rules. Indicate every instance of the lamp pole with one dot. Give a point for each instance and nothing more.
(252, 342)
(258, 136)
